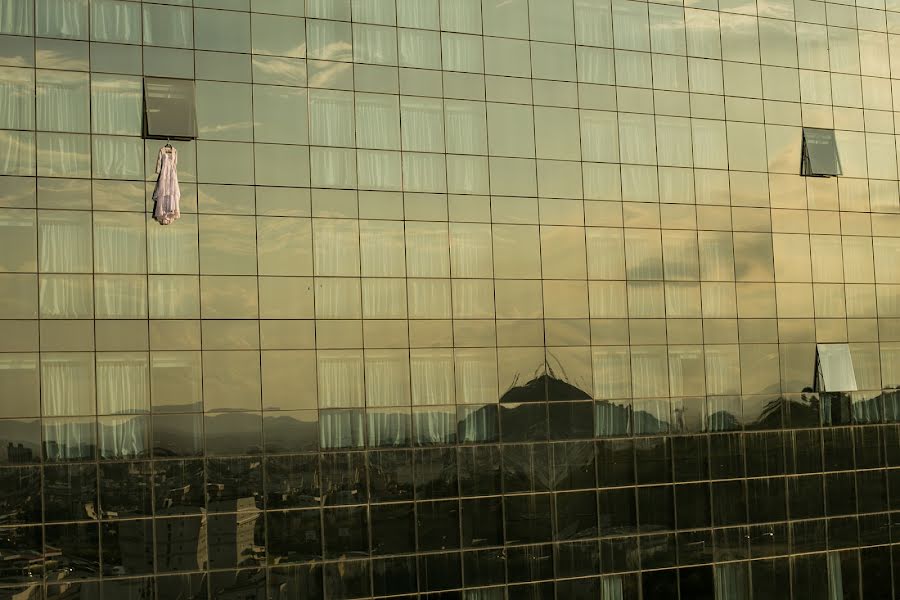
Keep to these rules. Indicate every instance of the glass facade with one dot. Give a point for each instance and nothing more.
(469, 299)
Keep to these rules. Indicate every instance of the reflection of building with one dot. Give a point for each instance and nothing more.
(181, 544)
(232, 537)
(18, 454)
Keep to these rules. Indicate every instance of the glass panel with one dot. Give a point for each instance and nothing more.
(62, 101)
(820, 153)
(834, 368)
(170, 108)
(16, 98)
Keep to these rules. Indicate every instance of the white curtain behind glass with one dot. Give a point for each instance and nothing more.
(684, 363)
(427, 254)
(435, 425)
(611, 588)
(384, 298)
(119, 245)
(479, 423)
(612, 372)
(123, 384)
(116, 104)
(62, 101)
(424, 172)
(65, 242)
(340, 380)
(422, 124)
(336, 246)
(124, 437)
(118, 158)
(432, 377)
(333, 167)
(62, 18)
(340, 428)
(731, 582)
(17, 152)
(66, 297)
(387, 378)
(120, 296)
(476, 376)
(16, 98)
(331, 118)
(67, 384)
(723, 375)
(378, 121)
(388, 428)
(69, 439)
(115, 21)
(379, 169)
(835, 577)
(16, 17)
(649, 371)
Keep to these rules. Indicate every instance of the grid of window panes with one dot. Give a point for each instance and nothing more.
(469, 299)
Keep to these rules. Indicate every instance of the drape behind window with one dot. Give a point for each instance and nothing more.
(16, 17)
(16, 152)
(435, 425)
(379, 169)
(424, 172)
(478, 424)
(432, 377)
(612, 419)
(387, 378)
(722, 370)
(476, 376)
(116, 103)
(651, 416)
(66, 296)
(67, 18)
(69, 439)
(731, 581)
(123, 384)
(119, 246)
(423, 126)
(649, 371)
(340, 380)
(124, 437)
(120, 296)
(466, 127)
(378, 121)
(62, 101)
(115, 21)
(67, 384)
(612, 588)
(331, 118)
(835, 577)
(341, 429)
(388, 428)
(16, 98)
(612, 372)
(333, 167)
(65, 243)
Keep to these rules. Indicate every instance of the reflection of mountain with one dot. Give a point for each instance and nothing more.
(287, 433)
(543, 388)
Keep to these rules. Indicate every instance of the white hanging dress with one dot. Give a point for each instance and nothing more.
(167, 193)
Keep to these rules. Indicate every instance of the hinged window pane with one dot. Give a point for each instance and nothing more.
(820, 154)
(170, 108)
(834, 369)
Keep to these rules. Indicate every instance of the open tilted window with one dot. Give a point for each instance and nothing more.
(820, 153)
(170, 109)
(834, 369)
